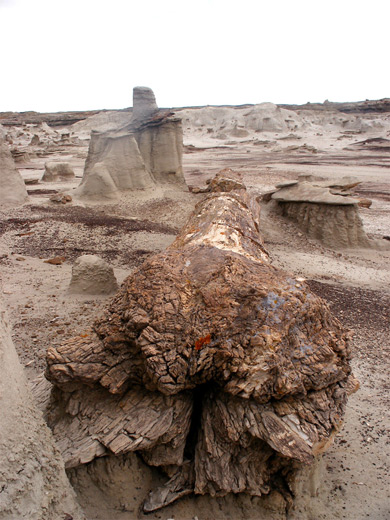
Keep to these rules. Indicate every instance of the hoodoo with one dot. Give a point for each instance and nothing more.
(144, 154)
(324, 209)
(211, 363)
(12, 188)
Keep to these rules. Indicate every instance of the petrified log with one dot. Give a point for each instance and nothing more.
(209, 362)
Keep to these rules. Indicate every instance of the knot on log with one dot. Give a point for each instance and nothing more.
(208, 359)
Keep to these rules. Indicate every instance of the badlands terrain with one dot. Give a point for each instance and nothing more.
(267, 145)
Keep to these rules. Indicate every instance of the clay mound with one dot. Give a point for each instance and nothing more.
(209, 361)
(144, 154)
(12, 188)
(33, 482)
(324, 209)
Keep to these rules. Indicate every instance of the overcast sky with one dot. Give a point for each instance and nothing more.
(59, 55)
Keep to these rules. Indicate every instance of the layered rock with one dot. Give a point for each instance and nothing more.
(209, 362)
(144, 154)
(12, 188)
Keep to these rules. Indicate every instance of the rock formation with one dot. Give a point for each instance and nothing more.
(144, 104)
(92, 275)
(35, 141)
(224, 122)
(12, 188)
(326, 210)
(209, 362)
(58, 172)
(144, 154)
(33, 482)
(20, 155)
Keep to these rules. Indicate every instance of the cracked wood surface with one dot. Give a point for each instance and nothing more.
(208, 357)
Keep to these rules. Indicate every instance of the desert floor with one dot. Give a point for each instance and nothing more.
(355, 480)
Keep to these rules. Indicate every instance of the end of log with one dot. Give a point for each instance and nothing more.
(207, 352)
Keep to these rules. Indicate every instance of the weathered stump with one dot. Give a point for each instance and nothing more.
(209, 362)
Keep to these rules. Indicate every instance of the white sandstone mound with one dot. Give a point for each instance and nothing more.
(222, 122)
(33, 483)
(333, 120)
(58, 172)
(323, 210)
(144, 154)
(12, 188)
(92, 275)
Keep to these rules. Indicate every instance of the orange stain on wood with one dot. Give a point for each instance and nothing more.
(202, 341)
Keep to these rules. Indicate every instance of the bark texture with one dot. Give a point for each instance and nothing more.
(210, 362)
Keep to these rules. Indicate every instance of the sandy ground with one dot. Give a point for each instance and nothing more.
(356, 283)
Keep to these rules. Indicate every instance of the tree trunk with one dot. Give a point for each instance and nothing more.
(207, 358)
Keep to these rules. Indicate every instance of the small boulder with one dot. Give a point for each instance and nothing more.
(60, 198)
(58, 172)
(57, 260)
(92, 275)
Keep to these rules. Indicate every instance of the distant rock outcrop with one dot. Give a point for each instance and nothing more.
(12, 188)
(58, 172)
(144, 154)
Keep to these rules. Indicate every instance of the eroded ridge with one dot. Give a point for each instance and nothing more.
(209, 362)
